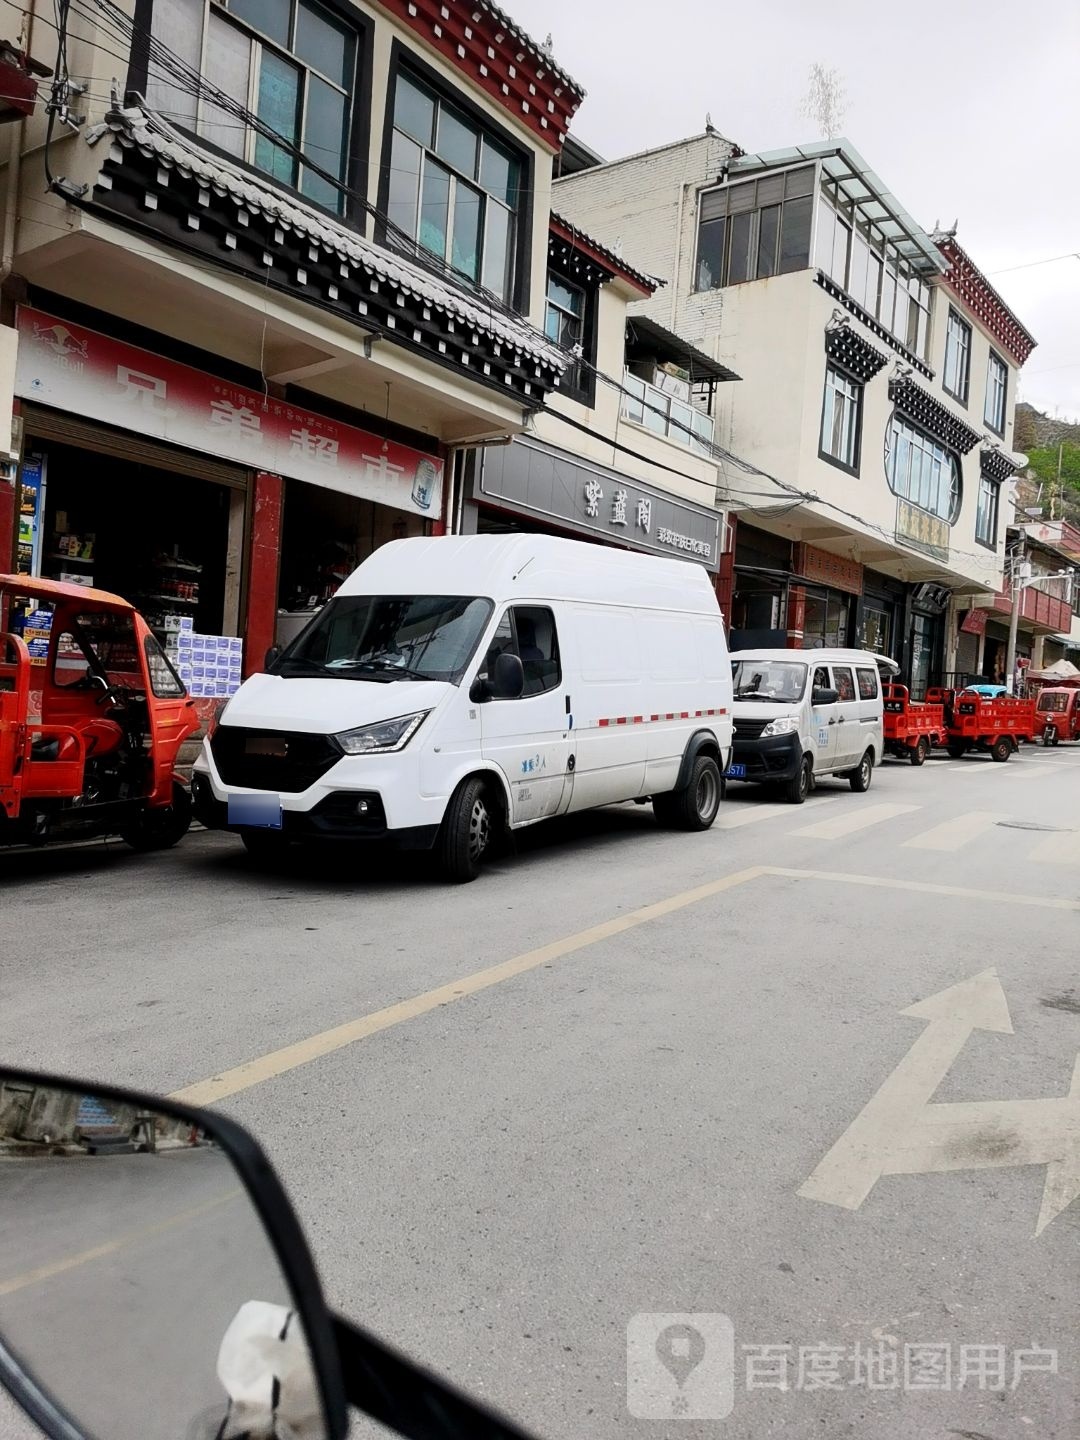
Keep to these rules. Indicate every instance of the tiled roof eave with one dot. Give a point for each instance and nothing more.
(138, 128)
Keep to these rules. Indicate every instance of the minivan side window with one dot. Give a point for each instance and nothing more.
(868, 682)
(527, 631)
(821, 680)
(844, 682)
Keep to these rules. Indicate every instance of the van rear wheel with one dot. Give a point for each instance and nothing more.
(466, 834)
(696, 805)
(860, 778)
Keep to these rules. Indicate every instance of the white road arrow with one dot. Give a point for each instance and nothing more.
(901, 1133)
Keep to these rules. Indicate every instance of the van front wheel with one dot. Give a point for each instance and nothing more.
(860, 779)
(695, 806)
(798, 787)
(466, 833)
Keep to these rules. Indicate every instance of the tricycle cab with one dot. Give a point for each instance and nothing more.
(92, 717)
(1058, 712)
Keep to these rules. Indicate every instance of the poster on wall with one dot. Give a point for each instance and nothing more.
(72, 368)
(31, 513)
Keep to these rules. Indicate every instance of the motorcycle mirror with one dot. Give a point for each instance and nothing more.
(151, 1265)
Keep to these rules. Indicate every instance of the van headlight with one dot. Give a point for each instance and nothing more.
(782, 726)
(382, 737)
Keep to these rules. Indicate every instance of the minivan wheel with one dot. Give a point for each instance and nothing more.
(860, 779)
(695, 806)
(466, 833)
(799, 786)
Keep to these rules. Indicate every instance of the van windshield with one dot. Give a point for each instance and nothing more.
(768, 680)
(388, 637)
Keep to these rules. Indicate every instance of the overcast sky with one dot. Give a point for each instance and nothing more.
(967, 110)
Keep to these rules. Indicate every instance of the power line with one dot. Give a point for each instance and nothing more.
(1031, 264)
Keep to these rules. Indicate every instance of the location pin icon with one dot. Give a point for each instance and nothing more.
(680, 1349)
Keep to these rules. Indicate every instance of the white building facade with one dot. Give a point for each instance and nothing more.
(878, 385)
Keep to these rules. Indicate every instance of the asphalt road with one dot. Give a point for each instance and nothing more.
(630, 1077)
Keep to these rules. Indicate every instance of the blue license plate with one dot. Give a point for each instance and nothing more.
(735, 772)
(261, 812)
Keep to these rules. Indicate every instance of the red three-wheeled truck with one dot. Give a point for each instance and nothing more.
(92, 718)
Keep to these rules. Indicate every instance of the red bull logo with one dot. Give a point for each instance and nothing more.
(60, 340)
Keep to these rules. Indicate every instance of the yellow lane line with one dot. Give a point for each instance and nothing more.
(84, 1257)
(280, 1062)
(303, 1052)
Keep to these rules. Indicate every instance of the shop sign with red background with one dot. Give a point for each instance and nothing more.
(71, 368)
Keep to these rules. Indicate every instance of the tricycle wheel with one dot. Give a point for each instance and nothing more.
(1001, 749)
(918, 755)
(163, 825)
(956, 749)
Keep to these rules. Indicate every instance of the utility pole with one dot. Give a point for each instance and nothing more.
(1021, 572)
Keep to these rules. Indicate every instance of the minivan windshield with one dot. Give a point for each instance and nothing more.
(388, 637)
(782, 680)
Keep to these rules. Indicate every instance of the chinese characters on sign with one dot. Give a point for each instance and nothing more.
(817, 565)
(90, 374)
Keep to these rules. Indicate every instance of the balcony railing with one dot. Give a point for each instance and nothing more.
(1040, 607)
(667, 415)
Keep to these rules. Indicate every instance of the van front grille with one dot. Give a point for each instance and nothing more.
(748, 729)
(283, 760)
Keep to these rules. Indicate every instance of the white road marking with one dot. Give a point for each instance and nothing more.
(954, 834)
(750, 814)
(900, 1133)
(1029, 769)
(1059, 849)
(860, 818)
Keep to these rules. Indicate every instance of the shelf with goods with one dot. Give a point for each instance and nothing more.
(168, 586)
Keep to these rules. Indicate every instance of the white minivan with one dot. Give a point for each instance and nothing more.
(462, 685)
(800, 714)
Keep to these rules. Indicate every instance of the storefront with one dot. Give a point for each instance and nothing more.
(792, 595)
(532, 486)
(164, 483)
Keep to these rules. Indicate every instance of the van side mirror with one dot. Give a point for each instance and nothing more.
(507, 678)
(825, 697)
(271, 655)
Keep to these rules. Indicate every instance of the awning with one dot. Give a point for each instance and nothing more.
(646, 340)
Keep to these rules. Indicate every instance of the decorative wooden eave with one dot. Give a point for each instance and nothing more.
(854, 352)
(572, 249)
(934, 417)
(971, 287)
(497, 55)
(154, 177)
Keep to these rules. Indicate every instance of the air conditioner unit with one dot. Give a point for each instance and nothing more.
(933, 597)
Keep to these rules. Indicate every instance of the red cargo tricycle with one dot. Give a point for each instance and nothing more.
(92, 717)
(912, 727)
(993, 724)
(1058, 712)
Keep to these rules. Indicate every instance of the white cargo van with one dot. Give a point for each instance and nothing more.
(461, 685)
(800, 714)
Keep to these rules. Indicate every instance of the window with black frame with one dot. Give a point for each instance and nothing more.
(290, 63)
(755, 228)
(565, 319)
(454, 188)
(986, 512)
(997, 390)
(956, 376)
(922, 470)
(841, 419)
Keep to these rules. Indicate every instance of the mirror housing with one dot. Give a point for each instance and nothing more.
(825, 697)
(508, 678)
(270, 656)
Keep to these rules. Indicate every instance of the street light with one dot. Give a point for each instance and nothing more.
(1022, 578)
